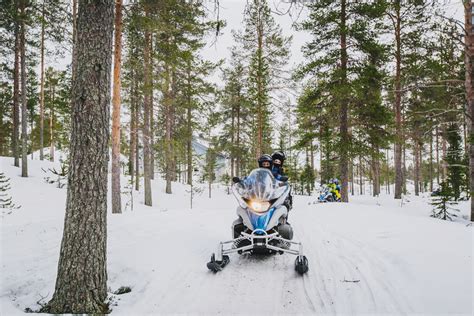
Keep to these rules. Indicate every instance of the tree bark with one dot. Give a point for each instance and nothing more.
(74, 38)
(51, 119)
(24, 120)
(238, 161)
(146, 116)
(444, 165)
(431, 161)
(42, 86)
(469, 82)
(135, 135)
(260, 99)
(81, 284)
(152, 115)
(116, 196)
(437, 156)
(344, 153)
(189, 146)
(397, 106)
(168, 129)
(416, 155)
(132, 145)
(16, 95)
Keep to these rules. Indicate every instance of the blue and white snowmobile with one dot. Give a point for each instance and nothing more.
(262, 225)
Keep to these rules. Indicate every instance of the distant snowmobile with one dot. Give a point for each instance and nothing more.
(326, 196)
(261, 226)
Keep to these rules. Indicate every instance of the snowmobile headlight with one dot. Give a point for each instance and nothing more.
(259, 206)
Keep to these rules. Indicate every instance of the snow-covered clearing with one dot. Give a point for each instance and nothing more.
(370, 256)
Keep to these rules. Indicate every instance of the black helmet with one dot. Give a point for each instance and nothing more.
(265, 158)
(279, 155)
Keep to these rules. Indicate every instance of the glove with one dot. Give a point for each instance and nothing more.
(236, 179)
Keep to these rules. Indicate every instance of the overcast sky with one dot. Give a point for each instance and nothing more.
(232, 12)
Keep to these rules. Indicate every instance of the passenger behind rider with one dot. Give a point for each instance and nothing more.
(279, 158)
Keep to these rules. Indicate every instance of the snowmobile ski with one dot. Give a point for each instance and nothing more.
(216, 266)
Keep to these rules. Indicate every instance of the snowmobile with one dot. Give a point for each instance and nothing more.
(261, 227)
(327, 196)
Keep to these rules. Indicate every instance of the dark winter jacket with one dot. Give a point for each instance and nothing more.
(277, 172)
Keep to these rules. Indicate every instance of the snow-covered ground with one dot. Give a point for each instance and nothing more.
(370, 256)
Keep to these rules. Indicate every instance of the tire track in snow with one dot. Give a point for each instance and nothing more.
(346, 258)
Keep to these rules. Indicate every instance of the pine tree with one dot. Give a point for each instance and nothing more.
(81, 284)
(265, 51)
(234, 116)
(457, 171)
(372, 118)
(340, 31)
(443, 203)
(53, 23)
(405, 16)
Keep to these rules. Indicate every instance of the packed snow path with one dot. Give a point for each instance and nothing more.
(368, 256)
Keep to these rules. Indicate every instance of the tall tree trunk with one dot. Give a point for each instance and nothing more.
(232, 142)
(352, 176)
(146, 115)
(469, 82)
(374, 167)
(42, 86)
(189, 146)
(168, 127)
(132, 145)
(444, 165)
(135, 134)
(260, 101)
(16, 95)
(81, 283)
(74, 38)
(51, 119)
(24, 120)
(116, 194)
(238, 166)
(404, 169)
(431, 161)
(437, 156)
(420, 168)
(416, 158)
(344, 153)
(361, 182)
(152, 115)
(398, 107)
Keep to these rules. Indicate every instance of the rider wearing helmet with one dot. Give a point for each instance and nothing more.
(278, 158)
(265, 161)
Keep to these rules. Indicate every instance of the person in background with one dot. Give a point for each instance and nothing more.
(335, 189)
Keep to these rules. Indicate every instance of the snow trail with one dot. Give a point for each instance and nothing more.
(366, 257)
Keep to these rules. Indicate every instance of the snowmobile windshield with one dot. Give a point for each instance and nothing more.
(260, 185)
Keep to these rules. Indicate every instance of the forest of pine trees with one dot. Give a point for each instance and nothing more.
(384, 97)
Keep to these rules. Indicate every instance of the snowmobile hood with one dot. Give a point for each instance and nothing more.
(260, 185)
(260, 190)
